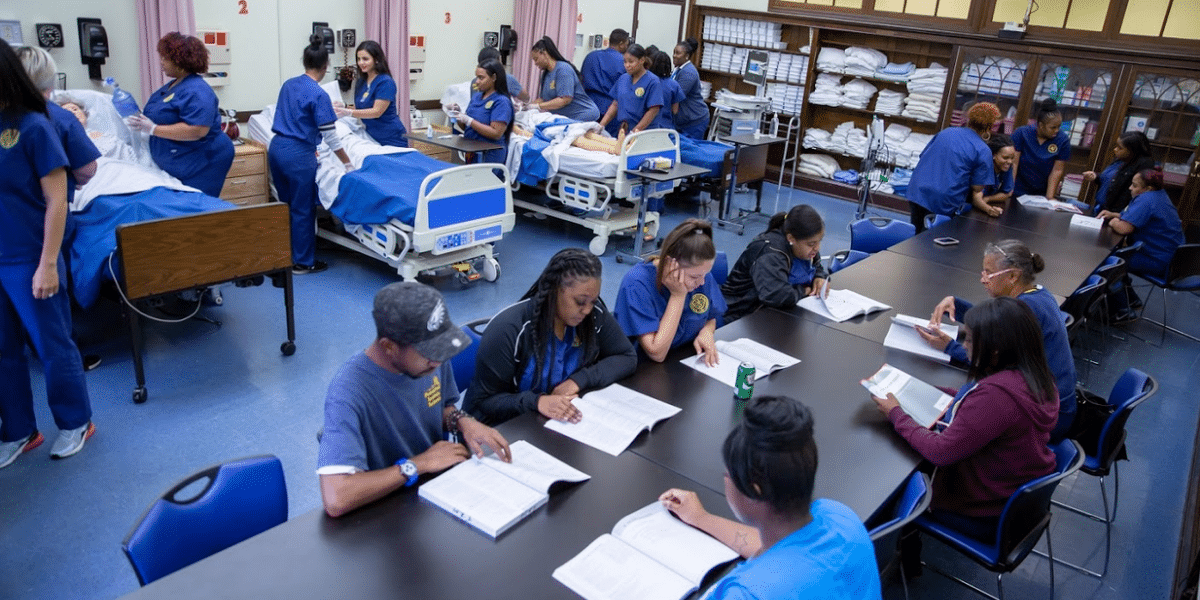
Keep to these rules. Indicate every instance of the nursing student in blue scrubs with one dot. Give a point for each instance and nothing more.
(303, 117)
(1003, 155)
(1010, 269)
(182, 118)
(375, 98)
(637, 95)
(33, 212)
(1042, 154)
(660, 66)
(794, 546)
(559, 88)
(81, 152)
(602, 68)
(673, 299)
(489, 117)
(692, 117)
(954, 168)
(515, 91)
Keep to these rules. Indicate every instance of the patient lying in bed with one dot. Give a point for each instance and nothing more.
(108, 145)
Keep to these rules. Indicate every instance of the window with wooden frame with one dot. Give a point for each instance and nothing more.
(946, 9)
(1162, 18)
(1077, 15)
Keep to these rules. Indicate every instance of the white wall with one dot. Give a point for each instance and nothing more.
(602, 16)
(119, 21)
(451, 48)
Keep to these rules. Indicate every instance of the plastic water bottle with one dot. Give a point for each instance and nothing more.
(775, 125)
(123, 101)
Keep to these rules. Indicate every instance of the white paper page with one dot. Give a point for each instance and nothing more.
(923, 402)
(734, 353)
(677, 545)
(534, 467)
(1059, 205)
(608, 569)
(1034, 201)
(613, 417)
(902, 336)
(841, 305)
(481, 496)
(765, 358)
(1087, 222)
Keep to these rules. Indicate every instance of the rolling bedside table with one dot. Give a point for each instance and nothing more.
(246, 182)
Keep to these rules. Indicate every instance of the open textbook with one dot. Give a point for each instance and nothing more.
(493, 495)
(1087, 222)
(650, 555)
(923, 402)
(1033, 201)
(612, 417)
(902, 336)
(840, 305)
(765, 360)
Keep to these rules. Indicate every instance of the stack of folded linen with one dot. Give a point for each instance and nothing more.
(838, 140)
(786, 99)
(889, 102)
(856, 142)
(816, 138)
(831, 60)
(910, 149)
(863, 61)
(895, 72)
(818, 165)
(827, 91)
(922, 107)
(857, 94)
(895, 134)
(925, 87)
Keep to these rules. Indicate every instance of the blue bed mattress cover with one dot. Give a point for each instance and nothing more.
(703, 153)
(388, 186)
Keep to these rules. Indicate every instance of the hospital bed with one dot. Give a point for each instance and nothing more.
(412, 212)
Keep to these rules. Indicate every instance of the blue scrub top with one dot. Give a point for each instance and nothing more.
(75, 142)
(560, 82)
(29, 151)
(692, 109)
(387, 129)
(1157, 225)
(1037, 160)
(562, 360)
(1103, 181)
(190, 101)
(641, 304)
(671, 95)
(301, 109)
(495, 107)
(635, 98)
(601, 70)
(802, 272)
(955, 159)
(1003, 183)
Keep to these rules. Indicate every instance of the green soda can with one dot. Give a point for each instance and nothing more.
(743, 387)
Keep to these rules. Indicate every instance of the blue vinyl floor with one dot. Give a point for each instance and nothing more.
(218, 393)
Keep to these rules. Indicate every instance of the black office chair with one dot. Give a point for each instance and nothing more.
(1114, 271)
(909, 502)
(1082, 306)
(1025, 518)
(1183, 275)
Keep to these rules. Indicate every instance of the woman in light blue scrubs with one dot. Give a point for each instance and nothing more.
(692, 118)
(560, 90)
(375, 98)
(182, 118)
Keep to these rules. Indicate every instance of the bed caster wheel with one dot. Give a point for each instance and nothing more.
(288, 348)
(139, 395)
(619, 259)
(597, 245)
(214, 297)
(491, 269)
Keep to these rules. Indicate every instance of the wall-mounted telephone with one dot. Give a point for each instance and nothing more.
(348, 38)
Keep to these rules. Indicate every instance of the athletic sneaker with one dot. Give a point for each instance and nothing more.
(316, 267)
(71, 441)
(9, 451)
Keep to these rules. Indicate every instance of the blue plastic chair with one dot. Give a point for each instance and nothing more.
(1183, 275)
(1025, 518)
(844, 258)
(932, 220)
(463, 363)
(911, 501)
(1082, 304)
(242, 498)
(720, 269)
(873, 234)
(1133, 388)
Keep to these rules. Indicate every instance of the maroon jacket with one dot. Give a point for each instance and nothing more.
(995, 443)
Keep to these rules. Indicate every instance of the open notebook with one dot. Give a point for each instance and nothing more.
(766, 360)
(840, 305)
(923, 402)
(1032, 201)
(493, 495)
(650, 555)
(903, 336)
(612, 417)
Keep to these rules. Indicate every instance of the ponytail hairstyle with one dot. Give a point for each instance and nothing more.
(373, 48)
(315, 55)
(1005, 336)
(565, 268)
(1014, 254)
(801, 222)
(982, 116)
(689, 45)
(771, 454)
(1048, 111)
(998, 142)
(1153, 177)
(18, 94)
(547, 45)
(1136, 143)
(661, 65)
(648, 60)
(495, 69)
(690, 244)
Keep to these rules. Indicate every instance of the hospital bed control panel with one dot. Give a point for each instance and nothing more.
(461, 239)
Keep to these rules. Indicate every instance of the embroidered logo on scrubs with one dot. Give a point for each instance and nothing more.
(1052, 148)
(9, 138)
(552, 84)
(639, 92)
(169, 97)
(699, 304)
(433, 395)
(489, 104)
(364, 98)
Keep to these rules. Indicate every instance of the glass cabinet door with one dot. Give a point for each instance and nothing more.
(1082, 92)
(990, 77)
(1166, 107)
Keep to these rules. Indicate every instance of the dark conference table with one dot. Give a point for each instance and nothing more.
(404, 547)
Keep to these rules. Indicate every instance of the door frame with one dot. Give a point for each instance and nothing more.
(682, 14)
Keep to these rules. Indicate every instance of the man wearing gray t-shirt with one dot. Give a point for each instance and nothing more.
(389, 407)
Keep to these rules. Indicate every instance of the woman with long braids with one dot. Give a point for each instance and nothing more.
(560, 339)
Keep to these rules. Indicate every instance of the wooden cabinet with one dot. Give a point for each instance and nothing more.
(246, 182)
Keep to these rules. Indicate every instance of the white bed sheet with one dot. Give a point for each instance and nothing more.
(571, 160)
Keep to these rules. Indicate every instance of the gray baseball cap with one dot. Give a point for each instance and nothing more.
(414, 314)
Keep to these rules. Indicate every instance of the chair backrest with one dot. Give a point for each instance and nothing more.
(1133, 388)
(1084, 300)
(844, 258)
(873, 234)
(1027, 513)
(242, 498)
(1113, 270)
(720, 269)
(463, 363)
(910, 502)
(933, 220)
(1184, 271)
(1126, 251)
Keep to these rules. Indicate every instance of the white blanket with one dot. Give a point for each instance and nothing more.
(122, 177)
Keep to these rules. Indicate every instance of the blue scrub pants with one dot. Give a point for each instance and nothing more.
(204, 168)
(696, 130)
(47, 323)
(293, 166)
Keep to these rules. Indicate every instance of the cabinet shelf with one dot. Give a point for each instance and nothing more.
(752, 47)
(866, 77)
(868, 112)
